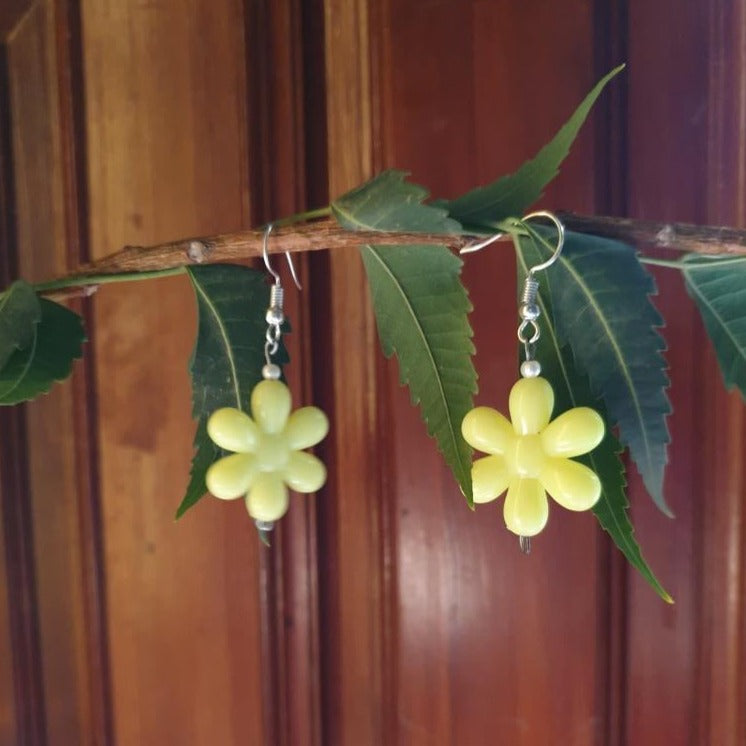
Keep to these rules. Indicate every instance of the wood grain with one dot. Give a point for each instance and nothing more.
(351, 543)
(167, 82)
(488, 641)
(52, 489)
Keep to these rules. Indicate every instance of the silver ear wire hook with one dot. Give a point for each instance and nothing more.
(265, 256)
(560, 239)
(471, 248)
(275, 315)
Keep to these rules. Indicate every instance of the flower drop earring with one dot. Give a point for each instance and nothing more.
(529, 456)
(268, 455)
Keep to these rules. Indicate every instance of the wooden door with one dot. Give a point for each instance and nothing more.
(386, 612)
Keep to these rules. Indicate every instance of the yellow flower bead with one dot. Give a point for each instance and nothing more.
(531, 456)
(268, 454)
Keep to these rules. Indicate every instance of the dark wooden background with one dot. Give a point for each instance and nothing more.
(386, 613)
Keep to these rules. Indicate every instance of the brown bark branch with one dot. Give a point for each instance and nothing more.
(321, 234)
(327, 234)
(681, 237)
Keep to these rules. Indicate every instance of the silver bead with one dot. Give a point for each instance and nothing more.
(264, 525)
(274, 316)
(271, 372)
(530, 368)
(529, 311)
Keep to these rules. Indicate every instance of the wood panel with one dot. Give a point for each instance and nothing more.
(353, 564)
(667, 177)
(67, 708)
(488, 640)
(721, 663)
(166, 114)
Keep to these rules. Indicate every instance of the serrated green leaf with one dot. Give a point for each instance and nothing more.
(511, 195)
(388, 203)
(718, 287)
(601, 300)
(421, 308)
(572, 390)
(421, 311)
(56, 341)
(20, 312)
(228, 355)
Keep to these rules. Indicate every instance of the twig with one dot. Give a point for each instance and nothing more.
(136, 262)
(681, 237)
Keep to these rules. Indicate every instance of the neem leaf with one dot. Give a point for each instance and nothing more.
(388, 203)
(56, 341)
(718, 287)
(421, 308)
(228, 355)
(511, 195)
(602, 309)
(572, 390)
(20, 312)
(421, 311)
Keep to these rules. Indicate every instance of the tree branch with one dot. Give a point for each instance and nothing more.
(139, 262)
(681, 237)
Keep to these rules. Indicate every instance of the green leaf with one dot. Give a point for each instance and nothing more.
(600, 295)
(56, 341)
(511, 195)
(421, 308)
(20, 312)
(718, 287)
(421, 311)
(388, 203)
(228, 355)
(572, 390)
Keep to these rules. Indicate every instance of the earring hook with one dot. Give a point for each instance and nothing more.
(560, 239)
(471, 248)
(265, 256)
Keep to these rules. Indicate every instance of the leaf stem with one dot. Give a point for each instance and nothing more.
(103, 279)
(303, 217)
(671, 264)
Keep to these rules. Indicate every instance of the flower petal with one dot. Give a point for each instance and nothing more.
(531, 403)
(270, 405)
(304, 472)
(306, 427)
(573, 433)
(526, 507)
(574, 486)
(489, 478)
(232, 429)
(230, 477)
(268, 498)
(487, 430)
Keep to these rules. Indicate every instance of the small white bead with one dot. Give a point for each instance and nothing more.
(264, 525)
(271, 372)
(530, 368)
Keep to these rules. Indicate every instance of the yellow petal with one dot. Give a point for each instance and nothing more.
(231, 477)
(531, 403)
(306, 427)
(573, 433)
(232, 429)
(574, 486)
(487, 430)
(270, 405)
(304, 472)
(268, 498)
(489, 478)
(526, 507)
